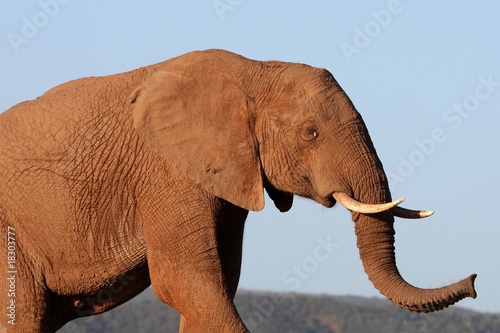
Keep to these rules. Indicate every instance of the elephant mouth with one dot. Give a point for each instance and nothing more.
(328, 201)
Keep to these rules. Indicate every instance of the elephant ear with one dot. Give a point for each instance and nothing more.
(200, 122)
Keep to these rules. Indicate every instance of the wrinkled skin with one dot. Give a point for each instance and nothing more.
(115, 183)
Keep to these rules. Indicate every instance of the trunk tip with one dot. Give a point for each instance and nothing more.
(472, 290)
(462, 289)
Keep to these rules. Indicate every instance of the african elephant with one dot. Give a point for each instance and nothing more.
(111, 184)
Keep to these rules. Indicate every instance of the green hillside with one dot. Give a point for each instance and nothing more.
(268, 312)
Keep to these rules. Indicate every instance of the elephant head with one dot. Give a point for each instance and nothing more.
(236, 126)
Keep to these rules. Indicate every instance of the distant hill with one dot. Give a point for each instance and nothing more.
(294, 313)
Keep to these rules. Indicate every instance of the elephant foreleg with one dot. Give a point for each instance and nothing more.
(194, 261)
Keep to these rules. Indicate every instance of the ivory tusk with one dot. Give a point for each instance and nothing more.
(411, 214)
(359, 207)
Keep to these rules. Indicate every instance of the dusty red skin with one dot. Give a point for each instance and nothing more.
(146, 177)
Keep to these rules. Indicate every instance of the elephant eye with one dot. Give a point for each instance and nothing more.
(310, 133)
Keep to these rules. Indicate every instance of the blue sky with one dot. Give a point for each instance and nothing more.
(424, 75)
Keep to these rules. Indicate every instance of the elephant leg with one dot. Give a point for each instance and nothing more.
(191, 267)
(229, 226)
(229, 230)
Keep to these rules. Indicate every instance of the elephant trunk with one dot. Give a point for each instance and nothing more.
(375, 240)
